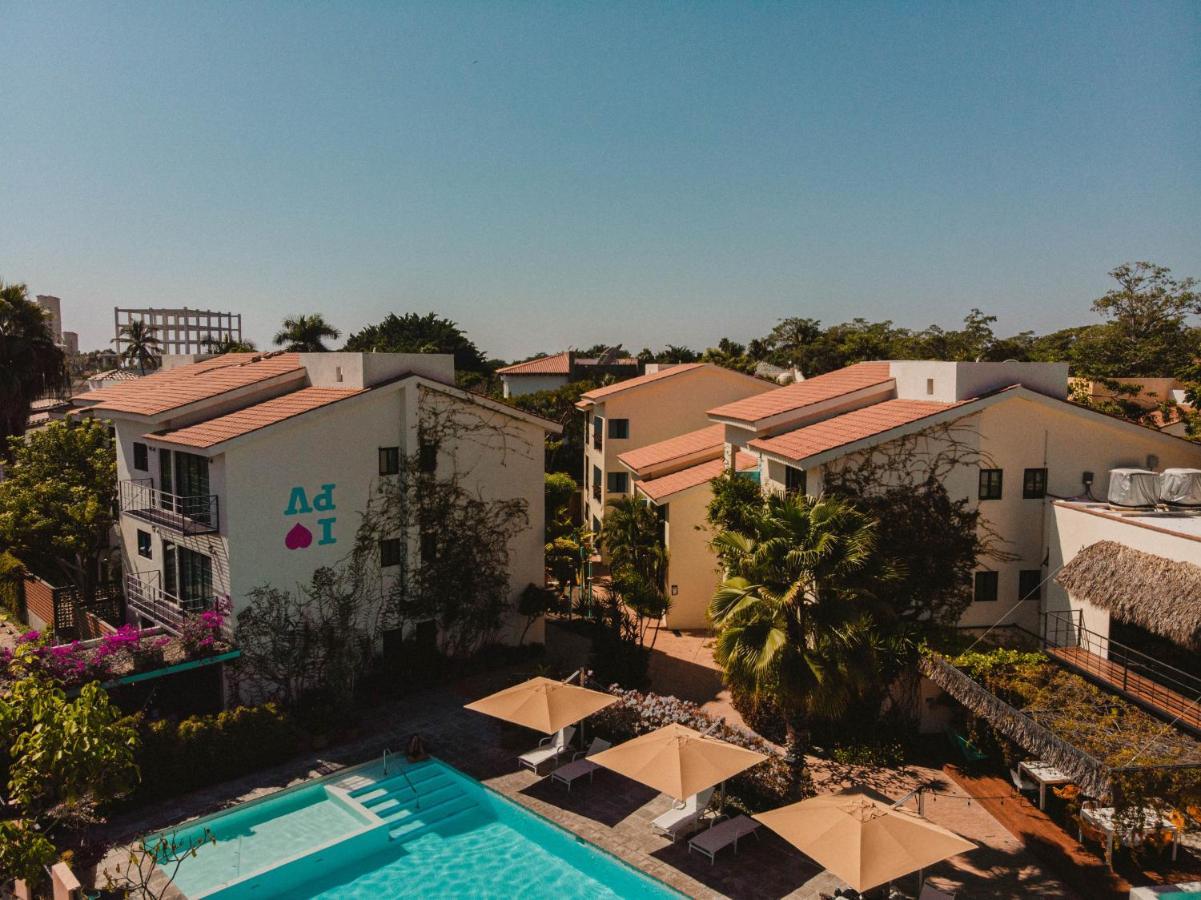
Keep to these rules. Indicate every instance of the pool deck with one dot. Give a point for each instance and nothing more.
(615, 813)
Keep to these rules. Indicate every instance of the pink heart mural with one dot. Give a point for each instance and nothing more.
(298, 538)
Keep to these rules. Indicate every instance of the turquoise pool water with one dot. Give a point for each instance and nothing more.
(421, 830)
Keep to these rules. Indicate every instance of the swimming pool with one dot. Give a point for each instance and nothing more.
(421, 829)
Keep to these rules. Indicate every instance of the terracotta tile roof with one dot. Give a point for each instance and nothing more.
(162, 392)
(628, 384)
(805, 393)
(559, 364)
(659, 488)
(849, 427)
(711, 438)
(252, 418)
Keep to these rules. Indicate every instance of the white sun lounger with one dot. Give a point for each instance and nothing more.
(720, 835)
(549, 748)
(580, 764)
(679, 820)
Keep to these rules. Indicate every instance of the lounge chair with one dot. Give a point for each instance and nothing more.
(720, 835)
(679, 820)
(549, 749)
(929, 892)
(580, 764)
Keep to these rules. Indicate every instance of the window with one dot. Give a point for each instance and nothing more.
(794, 480)
(1030, 584)
(596, 482)
(596, 525)
(144, 544)
(990, 484)
(986, 587)
(141, 458)
(619, 482)
(389, 552)
(1034, 484)
(598, 428)
(389, 460)
(427, 457)
(619, 428)
(429, 546)
(929, 386)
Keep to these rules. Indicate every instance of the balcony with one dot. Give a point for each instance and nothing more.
(184, 515)
(152, 602)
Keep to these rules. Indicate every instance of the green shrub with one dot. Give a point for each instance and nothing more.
(205, 750)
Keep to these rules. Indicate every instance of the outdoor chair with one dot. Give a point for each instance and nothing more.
(721, 834)
(549, 749)
(580, 764)
(1023, 784)
(680, 820)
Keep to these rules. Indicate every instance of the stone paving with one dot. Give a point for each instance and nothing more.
(615, 813)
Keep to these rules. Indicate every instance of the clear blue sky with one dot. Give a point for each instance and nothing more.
(549, 174)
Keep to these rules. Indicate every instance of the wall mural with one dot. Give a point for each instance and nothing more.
(299, 536)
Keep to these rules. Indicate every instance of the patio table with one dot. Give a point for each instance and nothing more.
(1044, 774)
(1103, 818)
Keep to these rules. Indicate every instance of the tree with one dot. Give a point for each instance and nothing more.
(1147, 332)
(791, 615)
(62, 760)
(790, 339)
(141, 345)
(30, 364)
(56, 503)
(306, 334)
(729, 354)
(413, 333)
(565, 452)
(224, 345)
(631, 537)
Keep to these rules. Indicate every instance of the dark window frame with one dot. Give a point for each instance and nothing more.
(1034, 484)
(598, 431)
(141, 456)
(619, 429)
(427, 457)
(389, 552)
(146, 546)
(992, 483)
(618, 477)
(1026, 590)
(985, 582)
(389, 460)
(796, 480)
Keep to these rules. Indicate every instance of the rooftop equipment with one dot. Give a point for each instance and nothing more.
(1180, 487)
(1133, 488)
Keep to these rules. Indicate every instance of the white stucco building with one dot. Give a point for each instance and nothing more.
(252, 469)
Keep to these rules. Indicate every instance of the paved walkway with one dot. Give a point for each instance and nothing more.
(614, 813)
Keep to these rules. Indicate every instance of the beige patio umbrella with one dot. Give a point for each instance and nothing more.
(863, 841)
(677, 761)
(543, 704)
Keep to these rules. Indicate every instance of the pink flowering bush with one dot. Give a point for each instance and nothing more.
(203, 635)
(74, 664)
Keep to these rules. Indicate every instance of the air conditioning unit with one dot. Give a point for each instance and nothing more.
(1133, 487)
(1180, 487)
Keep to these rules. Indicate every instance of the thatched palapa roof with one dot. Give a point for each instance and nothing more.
(1089, 773)
(1159, 594)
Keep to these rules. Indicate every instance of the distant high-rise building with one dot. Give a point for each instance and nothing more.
(54, 310)
(71, 342)
(181, 330)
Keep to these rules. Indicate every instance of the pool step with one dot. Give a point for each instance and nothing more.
(390, 806)
(419, 823)
(412, 778)
(403, 791)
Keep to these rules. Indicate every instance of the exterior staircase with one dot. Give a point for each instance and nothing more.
(416, 800)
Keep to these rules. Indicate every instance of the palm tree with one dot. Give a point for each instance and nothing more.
(792, 616)
(141, 345)
(221, 346)
(30, 364)
(638, 560)
(306, 334)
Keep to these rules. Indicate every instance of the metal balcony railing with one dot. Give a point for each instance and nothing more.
(1143, 678)
(149, 600)
(186, 515)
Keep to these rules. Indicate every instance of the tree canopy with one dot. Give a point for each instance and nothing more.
(30, 364)
(306, 334)
(413, 333)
